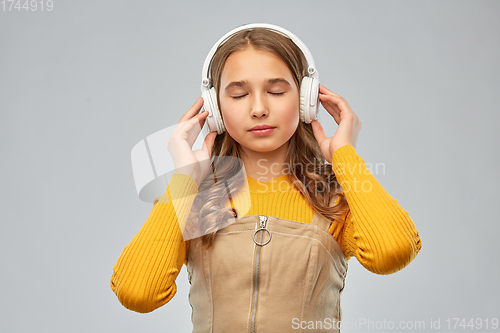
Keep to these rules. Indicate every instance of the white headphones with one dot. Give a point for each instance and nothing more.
(309, 87)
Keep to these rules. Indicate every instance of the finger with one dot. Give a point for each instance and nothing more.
(202, 116)
(188, 124)
(187, 130)
(193, 110)
(194, 129)
(338, 102)
(318, 131)
(332, 109)
(325, 90)
(208, 143)
(337, 99)
(337, 105)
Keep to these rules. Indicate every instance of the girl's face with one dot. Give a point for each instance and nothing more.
(257, 88)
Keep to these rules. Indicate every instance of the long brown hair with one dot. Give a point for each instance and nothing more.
(309, 166)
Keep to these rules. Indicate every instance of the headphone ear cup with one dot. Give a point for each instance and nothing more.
(304, 87)
(309, 91)
(213, 119)
(217, 116)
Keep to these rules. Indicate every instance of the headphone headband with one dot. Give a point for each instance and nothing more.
(311, 69)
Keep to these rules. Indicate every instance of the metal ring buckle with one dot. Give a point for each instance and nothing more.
(261, 244)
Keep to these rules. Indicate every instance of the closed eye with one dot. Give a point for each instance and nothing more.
(241, 96)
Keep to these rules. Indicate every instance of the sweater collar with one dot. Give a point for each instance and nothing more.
(277, 184)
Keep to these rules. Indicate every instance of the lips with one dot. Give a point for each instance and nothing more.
(261, 127)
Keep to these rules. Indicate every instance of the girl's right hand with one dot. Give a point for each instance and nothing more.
(195, 164)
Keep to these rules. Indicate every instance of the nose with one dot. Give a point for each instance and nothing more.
(259, 106)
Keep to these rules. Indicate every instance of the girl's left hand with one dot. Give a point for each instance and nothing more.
(349, 124)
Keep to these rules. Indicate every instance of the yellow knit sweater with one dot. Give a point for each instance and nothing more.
(377, 231)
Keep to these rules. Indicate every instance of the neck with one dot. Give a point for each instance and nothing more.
(264, 166)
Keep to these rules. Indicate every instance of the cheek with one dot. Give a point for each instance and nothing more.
(230, 119)
(290, 109)
(291, 114)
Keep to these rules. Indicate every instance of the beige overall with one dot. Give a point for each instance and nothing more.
(292, 280)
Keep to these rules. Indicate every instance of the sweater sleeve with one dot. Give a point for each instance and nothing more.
(377, 231)
(144, 276)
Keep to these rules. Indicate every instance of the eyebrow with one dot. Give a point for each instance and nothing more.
(244, 83)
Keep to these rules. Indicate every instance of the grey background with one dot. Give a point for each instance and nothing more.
(82, 84)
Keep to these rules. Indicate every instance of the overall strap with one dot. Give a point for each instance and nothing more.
(320, 221)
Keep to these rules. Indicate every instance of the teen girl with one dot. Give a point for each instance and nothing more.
(273, 258)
